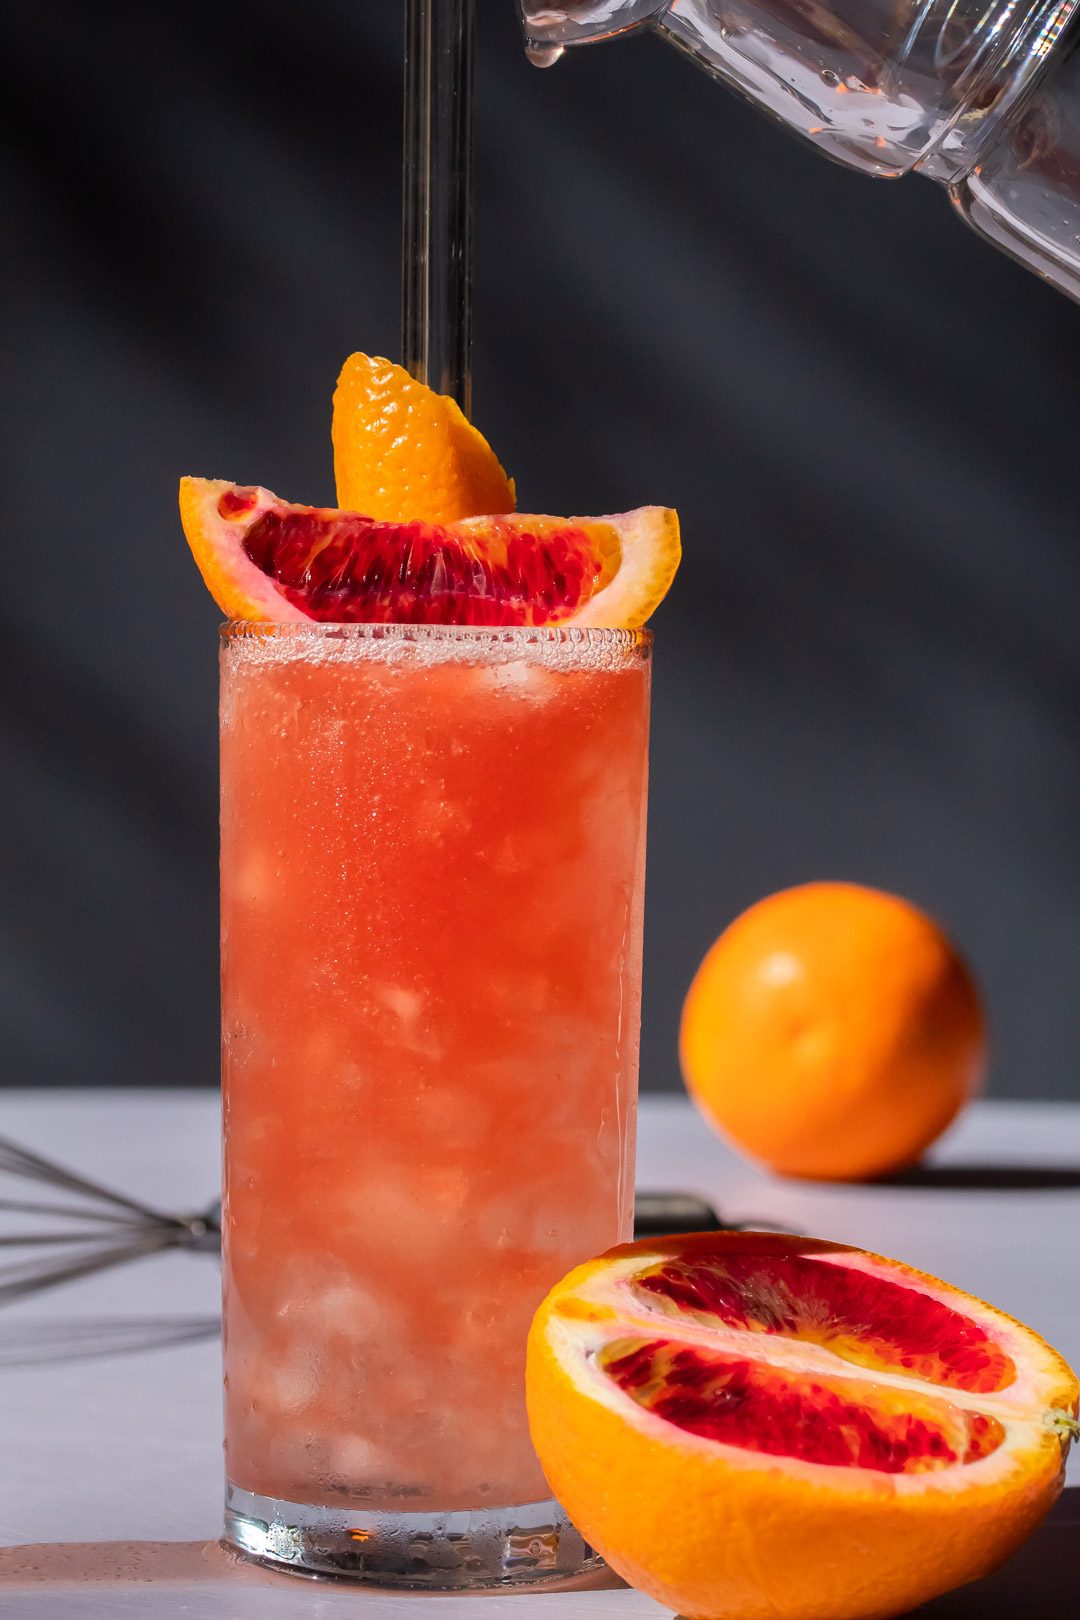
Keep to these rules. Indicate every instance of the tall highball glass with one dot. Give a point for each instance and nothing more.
(432, 865)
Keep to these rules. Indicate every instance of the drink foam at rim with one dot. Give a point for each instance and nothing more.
(558, 647)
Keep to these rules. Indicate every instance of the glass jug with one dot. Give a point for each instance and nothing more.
(982, 95)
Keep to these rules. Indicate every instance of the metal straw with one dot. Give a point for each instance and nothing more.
(436, 246)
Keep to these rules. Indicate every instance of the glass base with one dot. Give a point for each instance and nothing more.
(446, 1552)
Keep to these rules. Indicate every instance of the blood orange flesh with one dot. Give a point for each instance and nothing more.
(343, 567)
(815, 1419)
(870, 1320)
(264, 558)
(731, 1392)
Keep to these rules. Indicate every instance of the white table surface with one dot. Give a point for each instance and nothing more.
(110, 1465)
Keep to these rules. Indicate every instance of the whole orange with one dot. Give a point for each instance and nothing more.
(832, 1032)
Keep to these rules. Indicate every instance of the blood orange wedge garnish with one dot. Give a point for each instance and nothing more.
(402, 452)
(749, 1426)
(265, 559)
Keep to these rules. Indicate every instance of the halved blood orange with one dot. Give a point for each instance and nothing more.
(749, 1425)
(263, 558)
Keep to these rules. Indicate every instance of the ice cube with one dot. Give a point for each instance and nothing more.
(356, 1460)
(290, 1382)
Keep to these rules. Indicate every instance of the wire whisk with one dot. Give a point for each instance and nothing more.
(93, 1229)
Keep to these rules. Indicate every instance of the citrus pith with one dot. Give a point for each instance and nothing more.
(742, 1445)
(265, 559)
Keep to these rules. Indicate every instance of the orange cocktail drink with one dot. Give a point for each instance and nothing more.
(432, 870)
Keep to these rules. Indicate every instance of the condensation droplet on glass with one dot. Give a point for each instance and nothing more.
(543, 56)
(830, 78)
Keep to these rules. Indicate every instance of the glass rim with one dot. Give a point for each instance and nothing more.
(481, 635)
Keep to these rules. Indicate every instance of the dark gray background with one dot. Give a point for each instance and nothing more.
(868, 668)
